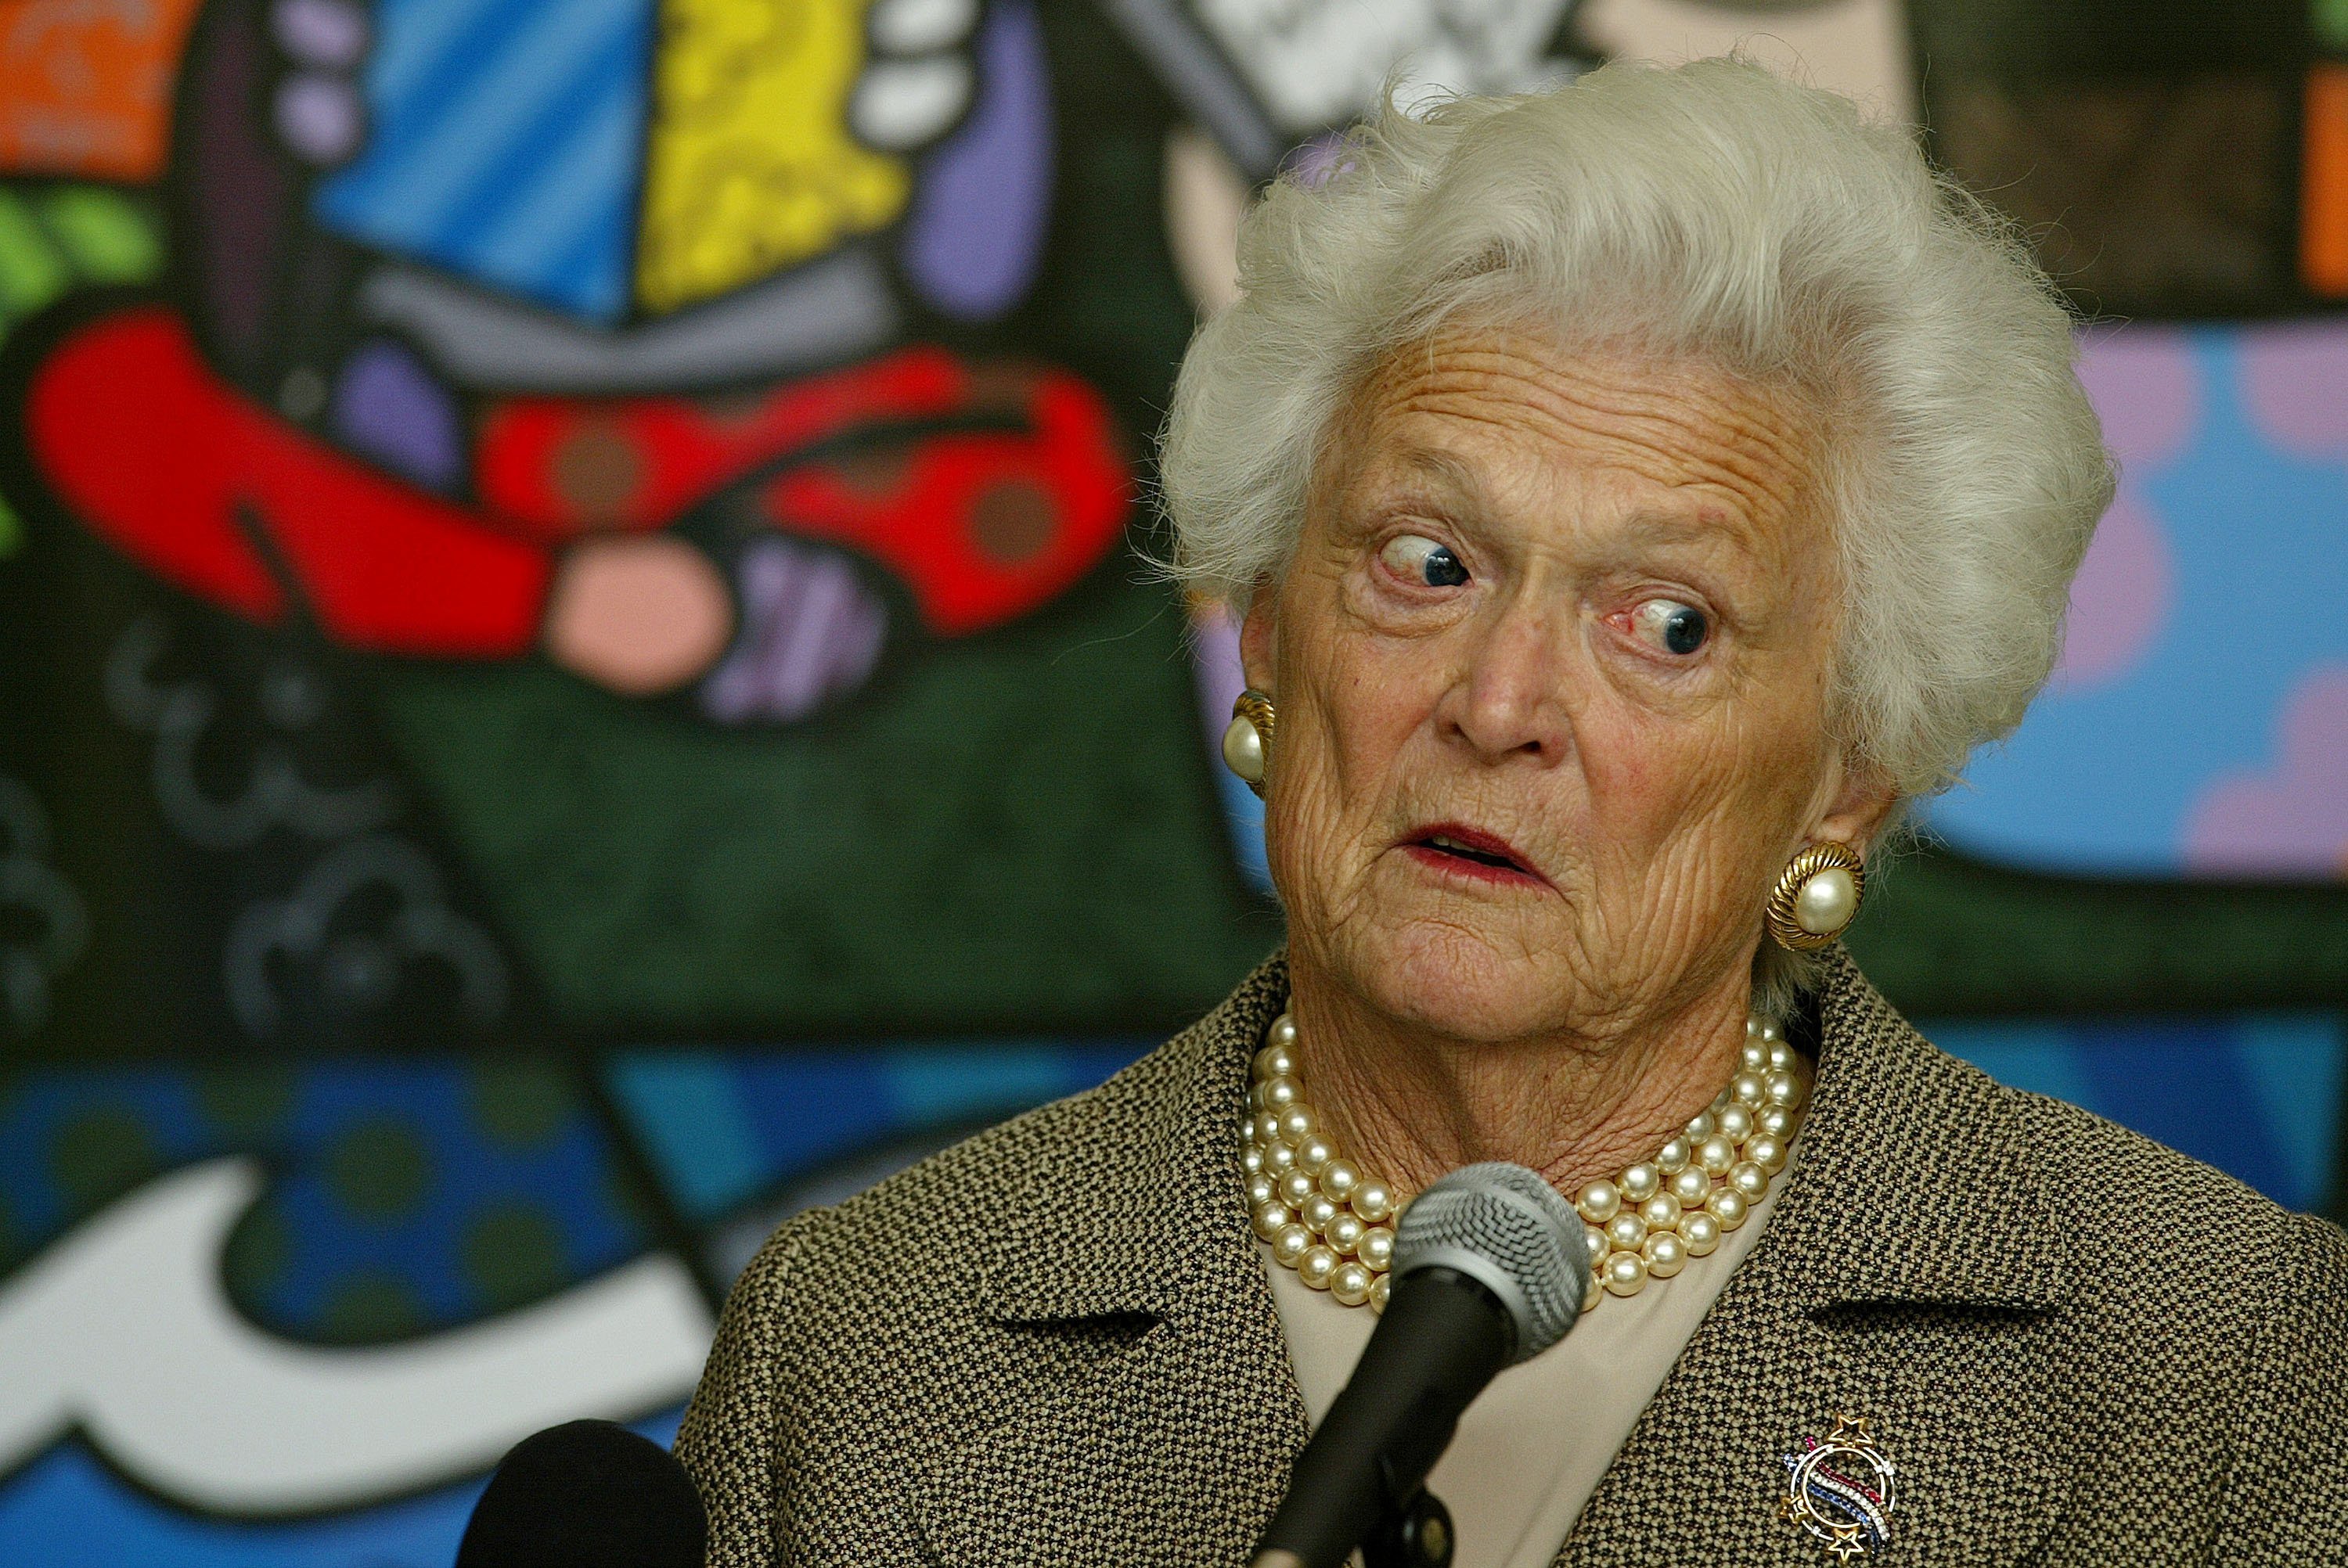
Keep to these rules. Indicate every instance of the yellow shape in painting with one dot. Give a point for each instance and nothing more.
(750, 167)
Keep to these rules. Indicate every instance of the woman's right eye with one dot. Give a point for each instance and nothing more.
(1423, 560)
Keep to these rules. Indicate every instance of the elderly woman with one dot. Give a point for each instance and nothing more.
(1635, 493)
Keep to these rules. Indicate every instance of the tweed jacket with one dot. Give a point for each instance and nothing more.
(1054, 1343)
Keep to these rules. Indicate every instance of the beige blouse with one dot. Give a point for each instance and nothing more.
(1531, 1449)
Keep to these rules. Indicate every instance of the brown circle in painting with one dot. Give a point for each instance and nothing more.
(597, 469)
(874, 474)
(1014, 521)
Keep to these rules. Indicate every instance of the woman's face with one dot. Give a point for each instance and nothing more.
(1551, 665)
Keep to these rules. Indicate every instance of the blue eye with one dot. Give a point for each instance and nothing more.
(1674, 627)
(1416, 556)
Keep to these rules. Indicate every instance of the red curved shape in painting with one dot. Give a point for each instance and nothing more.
(181, 471)
(989, 492)
(983, 524)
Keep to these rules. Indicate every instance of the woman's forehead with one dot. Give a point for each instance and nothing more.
(1487, 418)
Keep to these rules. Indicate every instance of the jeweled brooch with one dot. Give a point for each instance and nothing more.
(1840, 1490)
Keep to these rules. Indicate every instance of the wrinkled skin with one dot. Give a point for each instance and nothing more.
(1568, 1014)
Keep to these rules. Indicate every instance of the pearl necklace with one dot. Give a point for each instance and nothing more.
(1334, 1223)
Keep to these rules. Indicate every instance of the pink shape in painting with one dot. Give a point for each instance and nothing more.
(2291, 821)
(2121, 597)
(2146, 385)
(2295, 385)
(2146, 388)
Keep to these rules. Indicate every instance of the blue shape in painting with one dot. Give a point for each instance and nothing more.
(432, 1111)
(1243, 815)
(2256, 1096)
(68, 1510)
(2246, 569)
(504, 144)
(723, 1126)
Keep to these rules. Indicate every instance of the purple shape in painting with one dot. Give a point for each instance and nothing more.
(328, 32)
(2293, 820)
(2146, 389)
(387, 407)
(237, 190)
(979, 219)
(1215, 647)
(2120, 599)
(320, 117)
(809, 630)
(1313, 162)
(2295, 385)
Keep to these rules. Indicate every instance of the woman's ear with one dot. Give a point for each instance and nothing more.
(1861, 802)
(1256, 640)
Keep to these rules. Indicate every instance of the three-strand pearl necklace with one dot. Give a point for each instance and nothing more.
(1332, 1223)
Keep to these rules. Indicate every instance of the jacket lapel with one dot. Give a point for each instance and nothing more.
(1910, 1275)
(1173, 1440)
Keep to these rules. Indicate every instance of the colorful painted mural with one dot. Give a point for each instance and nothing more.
(578, 669)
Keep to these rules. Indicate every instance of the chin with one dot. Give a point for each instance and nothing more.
(1462, 983)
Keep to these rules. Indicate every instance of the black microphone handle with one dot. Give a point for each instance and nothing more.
(1443, 1338)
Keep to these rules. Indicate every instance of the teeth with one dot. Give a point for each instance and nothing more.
(1441, 841)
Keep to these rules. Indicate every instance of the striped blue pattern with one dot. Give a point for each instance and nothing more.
(505, 145)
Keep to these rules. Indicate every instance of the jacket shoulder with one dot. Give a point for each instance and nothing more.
(857, 1338)
(913, 1251)
(949, 1198)
(2175, 1239)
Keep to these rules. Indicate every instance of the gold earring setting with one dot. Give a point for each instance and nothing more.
(1818, 897)
(1247, 742)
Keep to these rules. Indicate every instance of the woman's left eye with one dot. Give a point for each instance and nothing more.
(1419, 557)
(1673, 627)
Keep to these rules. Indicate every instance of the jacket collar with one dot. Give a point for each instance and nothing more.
(1909, 1270)
(1916, 1183)
(1148, 1184)
(1916, 1187)
(1154, 1189)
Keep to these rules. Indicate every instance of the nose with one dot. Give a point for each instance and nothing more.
(1512, 698)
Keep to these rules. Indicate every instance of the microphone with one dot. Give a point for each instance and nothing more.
(1489, 1269)
(586, 1494)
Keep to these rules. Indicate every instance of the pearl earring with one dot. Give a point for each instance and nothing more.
(1247, 743)
(1817, 898)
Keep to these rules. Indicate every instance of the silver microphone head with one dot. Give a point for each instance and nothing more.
(1510, 1232)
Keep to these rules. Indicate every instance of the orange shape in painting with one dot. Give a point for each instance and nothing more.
(2324, 191)
(86, 89)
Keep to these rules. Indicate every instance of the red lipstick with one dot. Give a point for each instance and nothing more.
(1456, 848)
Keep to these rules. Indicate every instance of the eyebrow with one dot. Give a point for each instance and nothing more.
(1698, 528)
(1707, 523)
(1433, 462)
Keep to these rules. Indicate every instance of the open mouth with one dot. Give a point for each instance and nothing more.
(1465, 849)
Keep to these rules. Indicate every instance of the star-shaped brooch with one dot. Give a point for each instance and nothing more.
(1840, 1489)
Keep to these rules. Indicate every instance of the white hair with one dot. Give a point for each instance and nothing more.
(1718, 210)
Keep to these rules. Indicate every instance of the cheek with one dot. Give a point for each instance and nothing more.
(1371, 707)
(1349, 705)
(1719, 792)
(1359, 697)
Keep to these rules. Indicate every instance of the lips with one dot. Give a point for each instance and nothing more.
(1469, 851)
